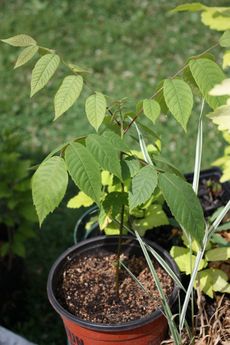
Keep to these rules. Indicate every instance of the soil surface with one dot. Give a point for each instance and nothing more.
(210, 194)
(87, 289)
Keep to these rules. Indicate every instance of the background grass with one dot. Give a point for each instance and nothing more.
(129, 47)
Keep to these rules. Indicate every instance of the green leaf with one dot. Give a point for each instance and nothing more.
(179, 99)
(211, 280)
(78, 69)
(218, 239)
(154, 217)
(130, 167)
(207, 74)
(225, 39)
(116, 141)
(26, 55)
(67, 94)
(183, 204)
(221, 89)
(182, 257)
(81, 199)
(226, 59)
(159, 97)
(43, 71)
(166, 165)
(49, 184)
(143, 186)
(218, 254)
(215, 18)
(106, 154)
(95, 107)
(221, 117)
(106, 178)
(151, 109)
(193, 7)
(21, 40)
(113, 203)
(84, 170)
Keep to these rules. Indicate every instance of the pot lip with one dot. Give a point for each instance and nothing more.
(107, 327)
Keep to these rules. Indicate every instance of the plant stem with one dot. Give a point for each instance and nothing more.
(120, 238)
(119, 252)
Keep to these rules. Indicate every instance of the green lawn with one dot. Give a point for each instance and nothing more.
(129, 46)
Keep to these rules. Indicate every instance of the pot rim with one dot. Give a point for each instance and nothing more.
(99, 326)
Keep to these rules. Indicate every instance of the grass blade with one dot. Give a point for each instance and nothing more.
(198, 155)
(167, 310)
(143, 146)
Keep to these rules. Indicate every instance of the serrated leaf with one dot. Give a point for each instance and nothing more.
(182, 257)
(67, 94)
(113, 203)
(221, 117)
(193, 7)
(143, 186)
(95, 107)
(43, 71)
(84, 170)
(49, 185)
(81, 199)
(215, 18)
(187, 75)
(179, 99)
(130, 167)
(183, 204)
(105, 153)
(207, 74)
(221, 89)
(226, 59)
(26, 55)
(151, 109)
(21, 40)
(164, 164)
(116, 141)
(218, 254)
(225, 39)
(160, 97)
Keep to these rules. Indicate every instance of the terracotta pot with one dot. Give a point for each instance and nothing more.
(149, 330)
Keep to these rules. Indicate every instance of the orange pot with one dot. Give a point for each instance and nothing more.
(149, 330)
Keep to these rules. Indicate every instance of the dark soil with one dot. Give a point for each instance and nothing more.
(166, 236)
(210, 194)
(87, 289)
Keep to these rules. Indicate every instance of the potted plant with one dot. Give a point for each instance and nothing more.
(136, 180)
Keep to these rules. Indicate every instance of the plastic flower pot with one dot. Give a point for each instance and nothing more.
(213, 174)
(80, 231)
(149, 330)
